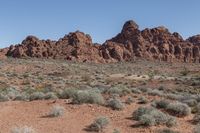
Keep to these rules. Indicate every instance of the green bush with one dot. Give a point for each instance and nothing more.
(22, 97)
(160, 104)
(173, 96)
(50, 95)
(87, 96)
(4, 98)
(178, 109)
(190, 102)
(99, 124)
(68, 93)
(135, 90)
(149, 116)
(155, 93)
(10, 92)
(115, 104)
(37, 96)
(119, 90)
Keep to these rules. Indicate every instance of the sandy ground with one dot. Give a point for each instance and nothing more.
(75, 119)
(60, 75)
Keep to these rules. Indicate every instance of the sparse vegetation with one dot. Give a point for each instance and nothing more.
(167, 130)
(63, 83)
(3, 98)
(115, 104)
(178, 109)
(142, 100)
(88, 96)
(120, 90)
(37, 96)
(99, 124)
(116, 131)
(155, 93)
(129, 100)
(56, 111)
(149, 116)
(24, 129)
(50, 95)
(161, 103)
(197, 129)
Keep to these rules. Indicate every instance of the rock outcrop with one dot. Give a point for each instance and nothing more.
(154, 44)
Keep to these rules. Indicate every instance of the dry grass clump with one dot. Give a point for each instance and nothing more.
(149, 116)
(99, 124)
(178, 109)
(88, 96)
(56, 111)
(161, 104)
(115, 104)
(167, 130)
(24, 129)
(37, 96)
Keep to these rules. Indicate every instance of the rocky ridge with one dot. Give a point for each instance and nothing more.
(153, 44)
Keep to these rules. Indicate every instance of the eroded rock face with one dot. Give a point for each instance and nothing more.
(154, 44)
(157, 43)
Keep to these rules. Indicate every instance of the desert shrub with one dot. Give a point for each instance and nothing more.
(167, 130)
(155, 93)
(56, 111)
(178, 109)
(173, 96)
(115, 104)
(196, 119)
(135, 90)
(10, 92)
(171, 122)
(68, 93)
(196, 109)
(4, 98)
(162, 88)
(116, 131)
(29, 90)
(144, 89)
(190, 102)
(129, 100)
(184, 72)
(24, 129)
(22, 97)
(197, 129)
(37, 96)
(142, 100)
(149, 116)
(50, 95)
(87, 96)
(99, 124)
(160, 103)
(120, 90)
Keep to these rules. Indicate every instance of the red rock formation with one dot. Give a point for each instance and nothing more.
(155, 44)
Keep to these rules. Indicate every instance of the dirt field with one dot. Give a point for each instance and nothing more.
(22, 79)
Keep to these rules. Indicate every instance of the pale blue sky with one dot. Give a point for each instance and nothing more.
(102, 19)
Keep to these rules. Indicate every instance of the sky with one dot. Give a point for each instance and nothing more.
(102, 19)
